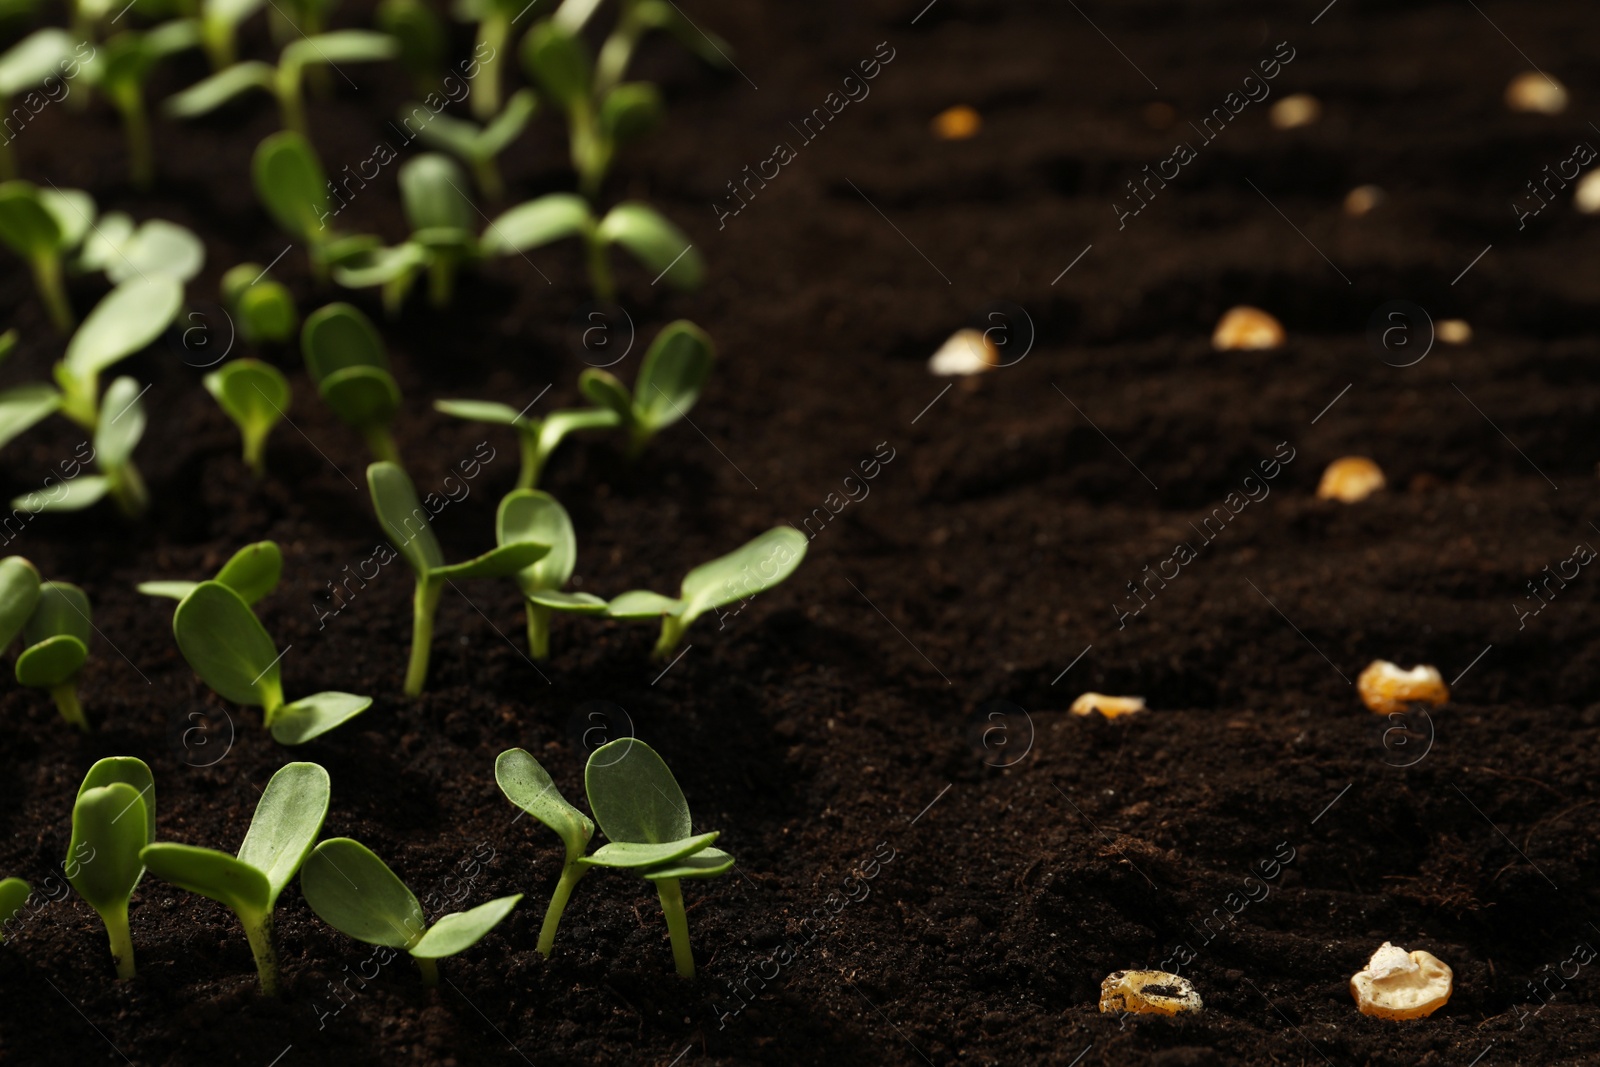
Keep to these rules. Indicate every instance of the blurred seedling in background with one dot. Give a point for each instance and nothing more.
(475, 145)
(262, 309)
(442, 222)
(356, 893)
(288, 819)
(422, 39)
(670, 380)
(639, 807)
(44, 58)
(14, 894)
(656, 243)
(255, 395)
(219, 28)
(529, 786)
(221, 638)
(529, 515)
(754, 567)
(53, 619)
(43, 226)
(291, 184)
(404, 520)
(119, 68)
(635, 20)
(350, 368)
(286, 80)
(494, 19)
(538, 438)
(113, 819)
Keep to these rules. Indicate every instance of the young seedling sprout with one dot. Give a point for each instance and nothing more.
(55, 642)
(538, 437)
(494, 19)
(646, 821)
(124, 250)
(405, 521)
(291, 184)
(230, 650)
(477, 146)
(43, 226)
(285, 80)
(287, 821)
(219, 28)
(120, 69)
(113, 819)
(356, 893)
(442, 222)
(755, 567)
(638, 18)
(255, 395)
(260, 305)
(656, 243)
(252, 572)
(422, 40)
(529, 515)
(14, 893)
(529, 786)
(44, 57)
(347, 362)
(670, 380)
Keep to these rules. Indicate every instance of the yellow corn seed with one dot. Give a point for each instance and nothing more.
(1396, 984)
(1148, 993)
(1110, 707)
(1245, 327)
(957, 123)
(1386, 689)
(1350, 479)
(1537, 93)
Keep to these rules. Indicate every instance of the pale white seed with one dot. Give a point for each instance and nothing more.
(1396, 984)
(966, 352)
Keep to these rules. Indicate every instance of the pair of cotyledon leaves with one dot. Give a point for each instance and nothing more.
(53, 619)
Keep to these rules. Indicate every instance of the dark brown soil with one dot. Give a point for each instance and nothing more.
(846, 715)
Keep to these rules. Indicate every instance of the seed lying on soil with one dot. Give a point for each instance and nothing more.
(1245, 327)
(1150, 993)
(1453, 331)
(1586, 197)
(1396, 984)
(1535, 92)
(1110, 707)
(1300, 109)
(1387, 689)
(966, 352)
(957, 123)
(1362, 200)
(1350, 479)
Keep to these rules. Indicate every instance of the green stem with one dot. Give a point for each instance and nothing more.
(494, 31)
(430, 971)
(47, 276)
(116, 921)
(258, 930)
(538, 630)
(605, 290)
(423, 604)
(255, 453)
(441, 279)
(217, 34)
(381, 444)
(66, 698)
(532, 459)
(571, 875)
(677, 925)
(615, 54)
(487, 173)
(672, 627)
(128, 490)
(292, 106)
(8, 159)
(136, 127)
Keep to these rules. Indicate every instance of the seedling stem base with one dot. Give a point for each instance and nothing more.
(66, 698)
(429, 970)
(571, 875)
(116, 922)
(423, 605)
(259, 933)
(677, 925)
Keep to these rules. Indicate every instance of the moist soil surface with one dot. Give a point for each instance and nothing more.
(937, 862)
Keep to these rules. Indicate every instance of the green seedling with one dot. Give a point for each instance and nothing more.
(14, 894)
(285, 81)
(42, 59)
(670, 380)
(252, 572)
(120, 68)
(529, 786)
(219, 28)
(529, 515)
(125, 250)
(538, 437)
(350, 368)
(356, 893)
(287, 821)
(113, 819)
(230, 650)
(646, 821)
(120, 423)
(55, 640)
(43, 226)
(442, 223)
(639, 18)
(295, 20)
(255, 395)
(494, 19)
(8, 343)
(405, 521)
(290, 183)
(422, 39)
(261, 307)
(475, 145)
(656, 243)
(754, 567)
(127, 319)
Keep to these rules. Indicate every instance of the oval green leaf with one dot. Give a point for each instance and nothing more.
(643, 604)
(632, 855)
(19, 595)
(356, 893)
(208, 94)
(312, 716)
(122, 423)
(633, 795)
(25, 406)
(14, 893)
(663, 248)
(462, 929)
(402, 517)
(52, 662)
(227, 646)
(108, 833)
(538, 222)
(529, 786)
(287, 821)
(362, 397)
(289, 180)
(431, 191)
(500, 562)
(757, 565)
(62, 608)
(125, 321)
(130, 770)
(707, 863)
(674, 372)
(253, 571)
(532, 515)
(212, 874)
(558, 62)
(339, 336)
